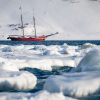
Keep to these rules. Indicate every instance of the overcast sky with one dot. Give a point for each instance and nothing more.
(73, 19)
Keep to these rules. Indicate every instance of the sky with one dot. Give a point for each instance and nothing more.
(73, 19)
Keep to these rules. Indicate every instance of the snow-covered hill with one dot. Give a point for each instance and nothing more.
(73, 19)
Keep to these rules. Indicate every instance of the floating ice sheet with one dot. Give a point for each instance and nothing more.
(43, 95)
(20, 81)
(75, 84)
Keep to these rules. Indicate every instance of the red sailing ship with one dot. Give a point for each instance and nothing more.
(28, 38)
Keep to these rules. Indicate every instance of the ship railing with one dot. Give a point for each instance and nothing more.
(21, 36)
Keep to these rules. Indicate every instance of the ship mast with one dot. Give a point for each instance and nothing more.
(22, 25)
(34, 25)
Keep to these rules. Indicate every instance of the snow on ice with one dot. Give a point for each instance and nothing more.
(77, 83)
(42, 95)
(83, 83)
(20, 81)
(42, 57)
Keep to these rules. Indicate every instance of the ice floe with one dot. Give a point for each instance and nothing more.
(87, 45)
(91, 62)
(19, 81)
(42, 57)
(43, 95)
(75, 84)
(43, 64)
(83, 81)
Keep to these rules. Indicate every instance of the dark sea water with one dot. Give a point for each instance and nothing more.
(43, 75)
(50, 42)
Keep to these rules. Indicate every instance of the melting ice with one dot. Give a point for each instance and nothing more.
(82, 81)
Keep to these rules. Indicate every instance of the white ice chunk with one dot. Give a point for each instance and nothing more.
(87, 45)
(75, 84)
(17, 81)
(43, 95)
(51, 52)
(43, 57)
(43, 64)
(91, 62)
(6, 49)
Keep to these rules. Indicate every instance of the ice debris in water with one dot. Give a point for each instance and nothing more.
(91, 62)
(6, 49)
(87, 45)
(19, 81)
(83, 83)
(75, 84)
(42, 95)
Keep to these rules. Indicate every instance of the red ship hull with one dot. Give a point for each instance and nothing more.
(29, 38)
(42, 38)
